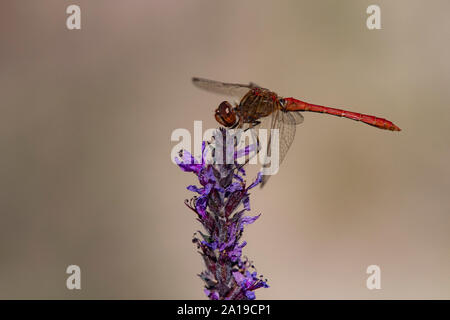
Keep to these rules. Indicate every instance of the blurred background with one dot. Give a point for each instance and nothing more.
(86, 118)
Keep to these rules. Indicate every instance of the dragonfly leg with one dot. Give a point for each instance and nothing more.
(255, 135)
(254, 138)
(254, 124)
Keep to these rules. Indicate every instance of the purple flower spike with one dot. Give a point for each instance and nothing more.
(220, 207)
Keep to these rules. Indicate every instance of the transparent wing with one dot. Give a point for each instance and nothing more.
(228, 89)
(295, 118)
(286, 123)
(274, 120)
(287, 133)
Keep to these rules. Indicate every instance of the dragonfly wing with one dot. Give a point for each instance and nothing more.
(228, 89)
(274, 123)
(295, 117)
(286, 123)
(287, 132)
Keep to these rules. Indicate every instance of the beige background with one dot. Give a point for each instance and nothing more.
(85, 124)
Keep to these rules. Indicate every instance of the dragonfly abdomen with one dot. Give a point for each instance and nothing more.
(298, 105)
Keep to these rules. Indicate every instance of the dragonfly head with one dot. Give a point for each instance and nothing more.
(225, 114)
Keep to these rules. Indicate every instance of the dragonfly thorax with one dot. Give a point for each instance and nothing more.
(256, 104)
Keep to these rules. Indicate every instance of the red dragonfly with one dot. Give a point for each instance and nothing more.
(257, 104)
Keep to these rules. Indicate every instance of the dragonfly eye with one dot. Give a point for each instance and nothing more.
(225, 115)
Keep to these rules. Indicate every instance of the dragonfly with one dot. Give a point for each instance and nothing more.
(257, 104)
